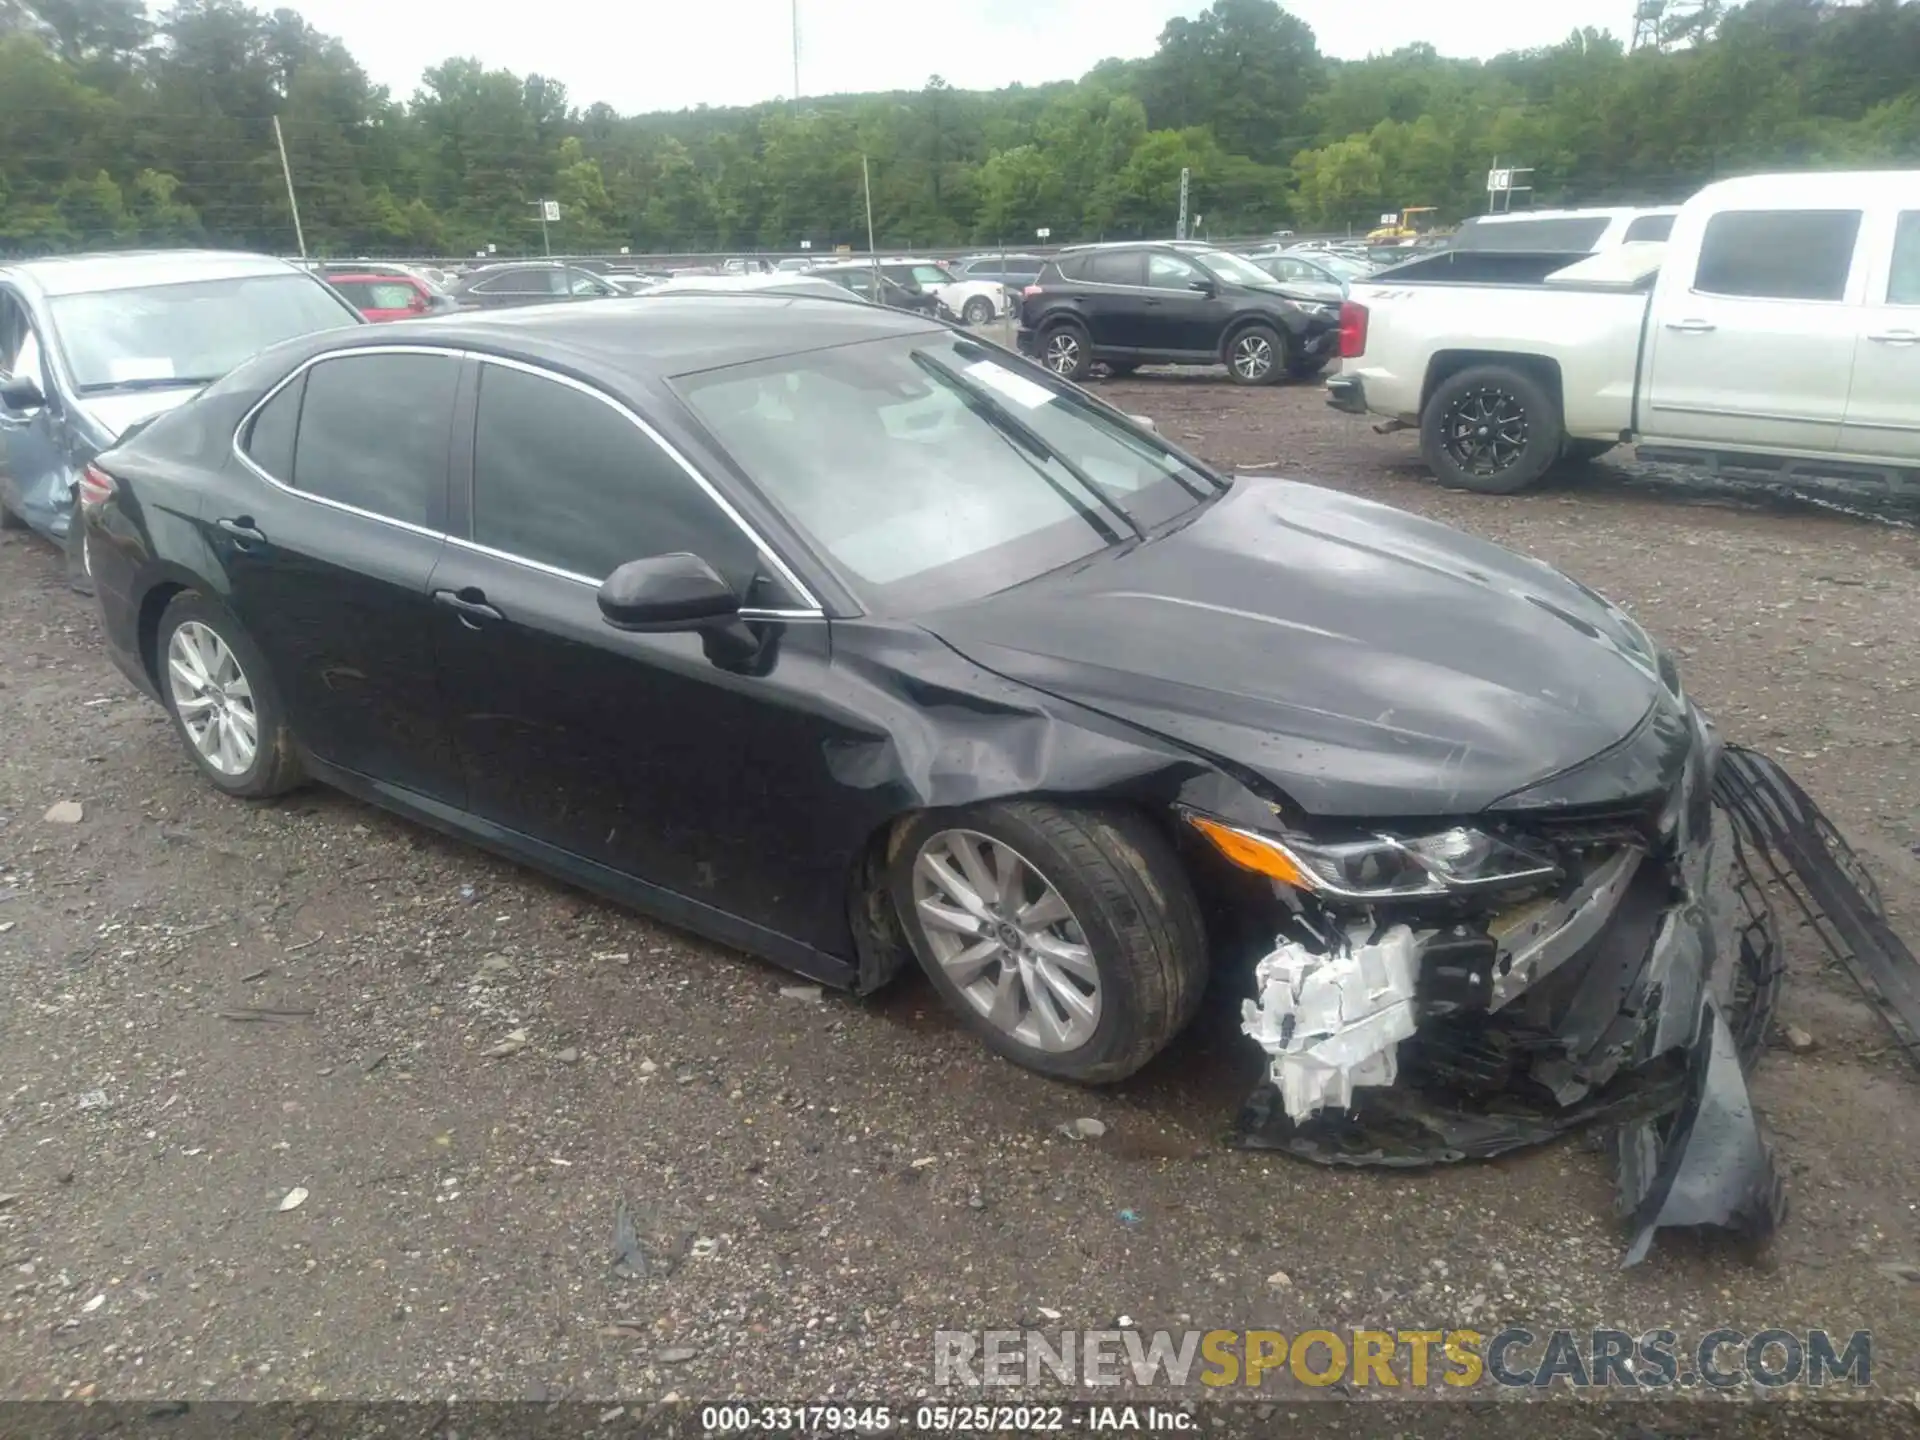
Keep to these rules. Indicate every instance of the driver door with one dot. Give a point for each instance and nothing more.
(1181, 317)
(636, 752)
(31, 473)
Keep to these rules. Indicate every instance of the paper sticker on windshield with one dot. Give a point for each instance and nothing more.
(139, 367)
(1016, 388)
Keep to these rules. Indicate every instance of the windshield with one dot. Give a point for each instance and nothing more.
(1232, 267)
(931, 275)
(934, 470)
(187, 334)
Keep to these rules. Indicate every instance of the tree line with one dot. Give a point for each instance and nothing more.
(120, 126)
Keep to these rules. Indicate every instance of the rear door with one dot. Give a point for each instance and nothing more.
(32, 476)
(1883, 407)
(1757, 351)
(1113, 286)
(328, 537)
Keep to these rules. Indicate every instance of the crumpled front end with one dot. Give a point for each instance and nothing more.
(1635, 988)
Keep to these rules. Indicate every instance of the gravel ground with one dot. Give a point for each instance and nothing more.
(214, 1003)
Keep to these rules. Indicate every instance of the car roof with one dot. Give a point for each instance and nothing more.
(128, 269)
(1841, 189)
(645, 338)
(387, 275)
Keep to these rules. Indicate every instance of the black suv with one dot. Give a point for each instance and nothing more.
(1172, 304)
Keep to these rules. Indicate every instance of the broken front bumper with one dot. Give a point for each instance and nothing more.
(1641, 999)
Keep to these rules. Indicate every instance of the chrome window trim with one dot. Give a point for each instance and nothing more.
(286, 487)
(793, 581)
(812, 610)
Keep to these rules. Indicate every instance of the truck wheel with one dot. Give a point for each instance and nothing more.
(1585, 452)
(1065, 350)
(1492, 428)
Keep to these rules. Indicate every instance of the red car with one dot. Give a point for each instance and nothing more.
(385, 297)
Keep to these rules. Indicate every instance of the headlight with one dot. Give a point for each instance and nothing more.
(1383, 867)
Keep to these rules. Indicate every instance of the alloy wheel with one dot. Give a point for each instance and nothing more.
(1063, 352)
(979, 311)
(1252, 356)
(1485, 430)
(213, 698)
(1007, 940)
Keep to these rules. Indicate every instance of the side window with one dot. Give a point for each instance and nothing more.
(515, 282)
(358, 292)
(1903, 282)
(19, 346)
(374, 433)
(579, 282)
(395, 296)
(270, 437)
(1778, 254)
(1649, 227)
(1073, 267)
(1170, 272)
(1116, 267)
(565, 479)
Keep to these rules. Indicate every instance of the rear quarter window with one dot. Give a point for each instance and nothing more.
(269, 440)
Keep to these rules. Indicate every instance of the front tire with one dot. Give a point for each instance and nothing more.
(223, 700)
(1066, 350)
(1069, 940)
(1256, 355)
(1491, 429)
(977, 311)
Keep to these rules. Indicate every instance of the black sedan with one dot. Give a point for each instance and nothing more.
(837, 635)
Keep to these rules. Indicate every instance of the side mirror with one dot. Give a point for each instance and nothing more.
(19, 392)
(1145, 422)
(1205, 287)
(664, 593)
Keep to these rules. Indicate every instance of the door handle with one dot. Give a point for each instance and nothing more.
(1691, 327)
(1896, 337)
(243, 530)
(469, 604)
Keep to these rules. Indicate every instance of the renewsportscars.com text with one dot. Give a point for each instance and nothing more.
(1513, 1357)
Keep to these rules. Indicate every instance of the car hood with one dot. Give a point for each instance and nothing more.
(1364, 661)
(116, 413)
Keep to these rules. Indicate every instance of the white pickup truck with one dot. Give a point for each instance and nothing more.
(1779, 326)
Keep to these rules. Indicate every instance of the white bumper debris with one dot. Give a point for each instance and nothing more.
(1332, 1022)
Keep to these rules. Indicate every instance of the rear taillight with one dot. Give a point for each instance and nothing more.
(1029, 292)
(1353, 330)
(96, 486)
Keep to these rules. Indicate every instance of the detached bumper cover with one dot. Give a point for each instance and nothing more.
(1649, 1026)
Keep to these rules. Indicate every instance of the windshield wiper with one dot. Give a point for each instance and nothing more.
(981, 401)
(152, 382)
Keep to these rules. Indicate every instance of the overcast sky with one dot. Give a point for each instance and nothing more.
(670, 54)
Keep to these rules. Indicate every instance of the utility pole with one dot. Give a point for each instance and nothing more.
(286, 173)
(796, 53)
(1180, 231)
(866, 181)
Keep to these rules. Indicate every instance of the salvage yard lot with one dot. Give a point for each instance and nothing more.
(212, 1004)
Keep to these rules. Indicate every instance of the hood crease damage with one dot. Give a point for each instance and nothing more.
(1638, 997)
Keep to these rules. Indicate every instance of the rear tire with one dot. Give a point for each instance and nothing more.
(977, 311)
(1066, 350)
(1492, 429)
(79, 555)
(1256, 355)
(1112, 920)
(9, 520)
(211, 675)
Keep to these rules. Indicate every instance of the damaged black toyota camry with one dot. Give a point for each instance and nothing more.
(842, 637)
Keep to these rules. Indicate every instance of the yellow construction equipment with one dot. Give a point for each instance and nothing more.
(1410, 224)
